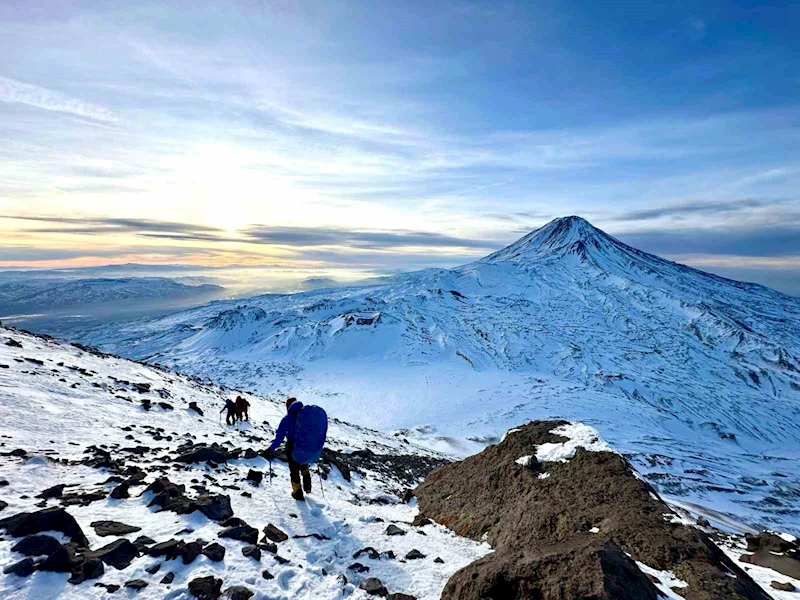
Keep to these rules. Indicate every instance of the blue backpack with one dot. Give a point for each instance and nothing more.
(310, 431)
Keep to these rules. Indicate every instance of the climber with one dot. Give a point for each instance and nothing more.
(230, 418)
(305, 429)
(242, 409)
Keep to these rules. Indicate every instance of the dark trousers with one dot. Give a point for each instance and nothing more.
(295, 468)
(230, 418)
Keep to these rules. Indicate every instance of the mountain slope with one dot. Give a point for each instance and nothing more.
(78, 425)
(694, 376)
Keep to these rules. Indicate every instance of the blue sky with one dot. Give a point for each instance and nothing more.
(350, 137)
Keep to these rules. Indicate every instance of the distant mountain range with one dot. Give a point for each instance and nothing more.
(694, 376)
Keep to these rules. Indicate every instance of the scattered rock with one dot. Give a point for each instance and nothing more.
(438, 560)
(254, 477)
(243, 533)
(169, 549)
(252, 552)
(193, 406)
(64, 560)
(202, 454)
(215, 552)
(142, 543)
(118, 554)
(238, 592)
(122, 491)
(190, 551)
(773, 552)
(369, 551)
(781, 586)
(53, 492)
(3, 505)
(168, 578)
(136, 584)
(400, 596)
(153, 569)
(48, 519)
(91, 569)
(267, 575)
(394, 530)
(414, 555)
(23, 568)
(358, 568)
(37, 545)
(274, 534)
(106, 528)
(373, 586)
(206, 588)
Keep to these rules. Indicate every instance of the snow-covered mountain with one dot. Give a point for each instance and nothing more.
(694, 376)
(119, 477)
(34, 294)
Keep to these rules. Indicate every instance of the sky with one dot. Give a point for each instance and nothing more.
(343, 138)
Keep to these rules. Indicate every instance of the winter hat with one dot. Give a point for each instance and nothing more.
(289, 402)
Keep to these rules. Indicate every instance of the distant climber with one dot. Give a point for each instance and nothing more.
(305, 429)
(242, 409)
(230, 418)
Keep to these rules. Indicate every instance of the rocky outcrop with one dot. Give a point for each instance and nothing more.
(773, 552)
(569, 530)
(48, 519)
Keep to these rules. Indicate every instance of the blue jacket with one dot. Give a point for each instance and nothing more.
(229, 406)
(286, 428)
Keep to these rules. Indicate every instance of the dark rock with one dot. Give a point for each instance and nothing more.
(53, 492)
(206, 588)
(48, 519)
(400, 596)
(82, 498)
(358, 568)
(407, 496)
(3, 505)
(121, 492)
(254, 477)
(238, 592)
(64, 560)
(136, 584)
(106, 528)
(394, 530)
(190, 551)
(252, 552)
(233, 522)
(782, 586)
(143, 542)
(414, 555)
(421, 521)
(215, 552)
(267, 575)
(168, 578)
(166, 405)
(202, 454)
(13, 343)
(37, 545)
(274, 534)
(169, 549)
(373, 586)
(438, 560)
(270, 547)
(153, 569)
(369, 551)
(118, 554)
(539, 532)
(243, 533)
(193, 406)
(92, 569)
(23, 568)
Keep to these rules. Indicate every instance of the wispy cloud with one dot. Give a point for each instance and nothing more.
(19, 92)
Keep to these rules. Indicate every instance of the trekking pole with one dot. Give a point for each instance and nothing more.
(270, 471)
(321, 487)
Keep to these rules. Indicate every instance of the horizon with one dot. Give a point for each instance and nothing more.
(353, 140)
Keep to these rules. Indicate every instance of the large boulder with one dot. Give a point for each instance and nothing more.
(206, 588)
(115, 528)
(202, 454)
(568, 534)
(48, 519)
(243, 533)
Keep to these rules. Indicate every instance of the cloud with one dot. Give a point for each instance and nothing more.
(13, 91)
(76, 225)
(700, 208)
(772, 240)
(331, 236)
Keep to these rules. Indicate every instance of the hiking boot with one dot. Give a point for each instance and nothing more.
(307, 481)
(297, 493)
